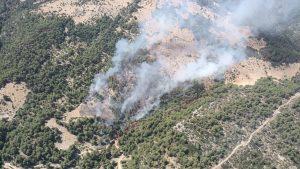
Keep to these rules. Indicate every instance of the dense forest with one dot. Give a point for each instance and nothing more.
(27, 44)
(46, 51)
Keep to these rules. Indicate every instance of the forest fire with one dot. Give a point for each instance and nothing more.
(179, 41)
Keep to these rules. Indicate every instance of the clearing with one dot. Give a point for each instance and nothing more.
(147, 7)
(83, 12)
(252, 69)
(76, 114)
(86, 148)
(10, 166)
(67, 139)
(172, 162)
(12, 97)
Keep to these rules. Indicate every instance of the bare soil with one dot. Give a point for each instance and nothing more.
(249, 71)
(10, 166)
(76, 114)
(84, 12)
(179, 47)
(256, 44)
(12, 97)
(67, 138)
(173, 164)
(86, 148)
(148, 6)
(120, 159)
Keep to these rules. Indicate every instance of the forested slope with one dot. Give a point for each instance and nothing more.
(29, 42)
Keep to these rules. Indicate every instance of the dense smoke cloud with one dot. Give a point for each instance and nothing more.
(181, 42)
(264, 15)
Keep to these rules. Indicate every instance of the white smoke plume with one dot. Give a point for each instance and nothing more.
(180, 42)
(264, 15)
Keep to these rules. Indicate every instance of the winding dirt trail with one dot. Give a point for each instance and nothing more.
(268, 120)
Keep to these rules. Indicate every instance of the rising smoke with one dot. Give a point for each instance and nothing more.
(180, 42)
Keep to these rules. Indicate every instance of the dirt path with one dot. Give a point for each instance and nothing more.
(120, 159)
(268, 120)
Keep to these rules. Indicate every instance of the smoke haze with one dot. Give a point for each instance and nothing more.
(180, 42)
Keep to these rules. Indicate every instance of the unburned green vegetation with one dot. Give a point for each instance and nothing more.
(199, 139)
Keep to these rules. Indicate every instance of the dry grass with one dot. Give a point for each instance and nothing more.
(173, 164)
(256, 44)
(16, 93)
(76, 114)
(10, 166)
(86, 148)
(249, 71)
(52, 166)
(179, 46)
(67, 138)
(148, 6)
(85, 12)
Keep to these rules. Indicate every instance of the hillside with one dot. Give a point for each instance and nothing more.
(149, 84)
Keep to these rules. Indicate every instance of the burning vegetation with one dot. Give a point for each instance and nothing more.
(178, 42)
